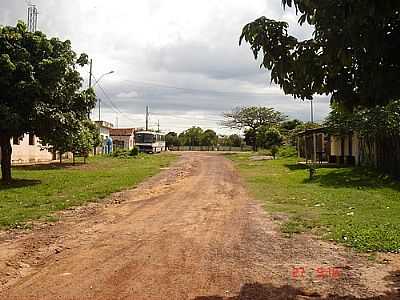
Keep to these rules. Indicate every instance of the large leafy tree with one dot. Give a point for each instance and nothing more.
(250, 119)
(171, 139)
(40, 88)
(79, 139)
(352, 55)
(209, 138)
(191, 136)
(268, 137)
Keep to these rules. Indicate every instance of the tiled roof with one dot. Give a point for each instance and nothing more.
(122, 131)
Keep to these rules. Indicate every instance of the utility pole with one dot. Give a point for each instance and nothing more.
(32, 17)
(158, 126)
(99, 109)
(147, 118)
(90, 73)
(312, 111)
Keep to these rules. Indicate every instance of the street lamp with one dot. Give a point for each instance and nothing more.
(92, 86)
(98, 80)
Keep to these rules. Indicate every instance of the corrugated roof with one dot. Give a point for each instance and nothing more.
(122, 131)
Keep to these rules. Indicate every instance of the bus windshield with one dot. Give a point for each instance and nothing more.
(144, 138)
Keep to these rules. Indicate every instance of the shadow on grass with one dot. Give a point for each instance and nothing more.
(295, 167)
(18, 183)
(45, 167)
(257, 291)
(347, 177)
(357, 178)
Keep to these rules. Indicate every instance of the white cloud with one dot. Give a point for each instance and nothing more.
(181, 57)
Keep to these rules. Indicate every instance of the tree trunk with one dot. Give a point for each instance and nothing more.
(61, 157)
(6, 151)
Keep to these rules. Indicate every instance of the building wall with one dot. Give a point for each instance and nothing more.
(104, 135)
(340, 147)
(128, 141)
(26, 153)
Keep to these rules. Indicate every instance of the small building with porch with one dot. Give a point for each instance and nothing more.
(318, 145)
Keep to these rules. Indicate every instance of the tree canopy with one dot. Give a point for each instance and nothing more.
(352, 55)
(40, 88)
(252, 117)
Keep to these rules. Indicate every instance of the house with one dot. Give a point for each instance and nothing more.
(123, 138)
(107, 143)
(27, 149)
(317, 145)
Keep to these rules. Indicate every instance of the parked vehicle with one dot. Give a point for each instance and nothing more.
(150, 142)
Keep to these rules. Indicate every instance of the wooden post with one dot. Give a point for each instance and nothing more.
(315, 148)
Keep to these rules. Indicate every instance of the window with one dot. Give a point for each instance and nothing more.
(31, 139)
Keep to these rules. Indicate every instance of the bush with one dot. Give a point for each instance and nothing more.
(120, 153)
(287, 151)
(134, 151)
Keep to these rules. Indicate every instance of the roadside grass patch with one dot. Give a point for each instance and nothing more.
(355, 206)
(39, 190)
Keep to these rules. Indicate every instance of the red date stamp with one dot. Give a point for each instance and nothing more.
(319, 272)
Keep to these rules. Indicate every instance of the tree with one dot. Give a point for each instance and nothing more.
(40, 88)
(353, 54)
(235, 140)
(250, 119)
(209, 138)
(85, 139)
(191, 136)
(171, 139)
(269, 137)
(250, 138)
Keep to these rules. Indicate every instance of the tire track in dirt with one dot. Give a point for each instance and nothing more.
(191, 232)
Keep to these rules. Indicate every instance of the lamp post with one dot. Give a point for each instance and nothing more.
(96, 82)
(101, 77)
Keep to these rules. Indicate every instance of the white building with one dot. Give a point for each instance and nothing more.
(106, 146)
(123, 138)
(28, 149)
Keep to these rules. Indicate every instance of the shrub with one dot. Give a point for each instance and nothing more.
(120, 153)
(134, 151)
(287, 151)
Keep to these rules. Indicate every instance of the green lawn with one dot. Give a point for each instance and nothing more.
(37, 191)
(354, 206)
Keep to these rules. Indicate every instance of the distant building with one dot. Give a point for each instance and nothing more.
(27, 149)
(107, 142)
(123, 138)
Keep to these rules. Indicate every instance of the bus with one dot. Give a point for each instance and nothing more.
(150, 142)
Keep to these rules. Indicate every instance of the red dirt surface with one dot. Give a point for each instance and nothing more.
(191, 232)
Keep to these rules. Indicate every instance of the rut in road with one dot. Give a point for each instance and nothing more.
(191, 232)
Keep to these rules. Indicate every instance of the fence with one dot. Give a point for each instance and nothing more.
(210, 148)
(383, 153)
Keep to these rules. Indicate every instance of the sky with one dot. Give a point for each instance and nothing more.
(180, 57)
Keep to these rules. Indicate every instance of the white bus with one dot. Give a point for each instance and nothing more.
(150, 142)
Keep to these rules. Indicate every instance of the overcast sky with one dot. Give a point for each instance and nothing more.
(180, 57)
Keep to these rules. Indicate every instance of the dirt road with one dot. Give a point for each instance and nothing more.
(192, 232)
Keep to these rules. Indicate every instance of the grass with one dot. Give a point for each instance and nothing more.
(354, 206)
(38, 191)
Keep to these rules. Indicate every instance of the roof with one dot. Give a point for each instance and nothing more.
(150, 132)
(122, 131)
(104, 124)
(314, 130)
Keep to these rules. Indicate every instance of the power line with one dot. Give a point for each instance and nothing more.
(162, 85)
